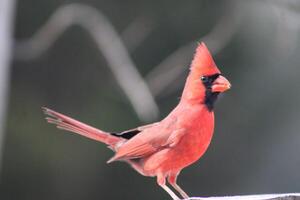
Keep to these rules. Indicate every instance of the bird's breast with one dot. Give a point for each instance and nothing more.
(194, 144)
(199, 131)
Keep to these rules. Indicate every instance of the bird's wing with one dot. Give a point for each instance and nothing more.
(175, 137)
(150, 141)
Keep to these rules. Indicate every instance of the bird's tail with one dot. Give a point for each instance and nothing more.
(72, 125)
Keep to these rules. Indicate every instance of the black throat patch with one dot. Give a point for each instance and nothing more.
(210, 97)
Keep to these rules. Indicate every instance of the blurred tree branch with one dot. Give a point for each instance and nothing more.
(108, 42)
(113, 48)
(176, 63)
(287, 15)
(6, 27)
(136, 32)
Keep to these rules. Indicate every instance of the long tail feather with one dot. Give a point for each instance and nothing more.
(66, 123)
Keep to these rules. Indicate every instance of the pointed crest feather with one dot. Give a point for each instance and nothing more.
(203, 62)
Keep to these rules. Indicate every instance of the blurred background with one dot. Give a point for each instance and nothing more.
(118, 64)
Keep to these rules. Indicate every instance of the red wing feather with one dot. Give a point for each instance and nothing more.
(149, 141)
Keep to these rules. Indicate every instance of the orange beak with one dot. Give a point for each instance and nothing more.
(221, 84)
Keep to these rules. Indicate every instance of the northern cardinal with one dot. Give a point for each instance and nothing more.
(164, 148)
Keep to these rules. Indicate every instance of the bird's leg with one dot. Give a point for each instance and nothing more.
(161, 181)
(172, 179)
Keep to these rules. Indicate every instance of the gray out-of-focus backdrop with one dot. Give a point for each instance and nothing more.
(118, 64)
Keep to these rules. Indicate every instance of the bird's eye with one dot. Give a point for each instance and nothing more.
(204, 79)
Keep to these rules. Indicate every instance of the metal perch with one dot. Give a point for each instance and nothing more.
(288, 196)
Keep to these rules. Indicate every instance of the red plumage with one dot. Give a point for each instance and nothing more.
(164, 148)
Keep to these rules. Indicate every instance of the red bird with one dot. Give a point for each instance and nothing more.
(164, 148)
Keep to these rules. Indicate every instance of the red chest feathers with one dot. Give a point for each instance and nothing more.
(194, 144)
(200, 127)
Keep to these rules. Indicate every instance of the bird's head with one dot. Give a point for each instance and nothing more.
(205, 81)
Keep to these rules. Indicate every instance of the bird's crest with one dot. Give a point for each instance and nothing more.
(203, 63)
